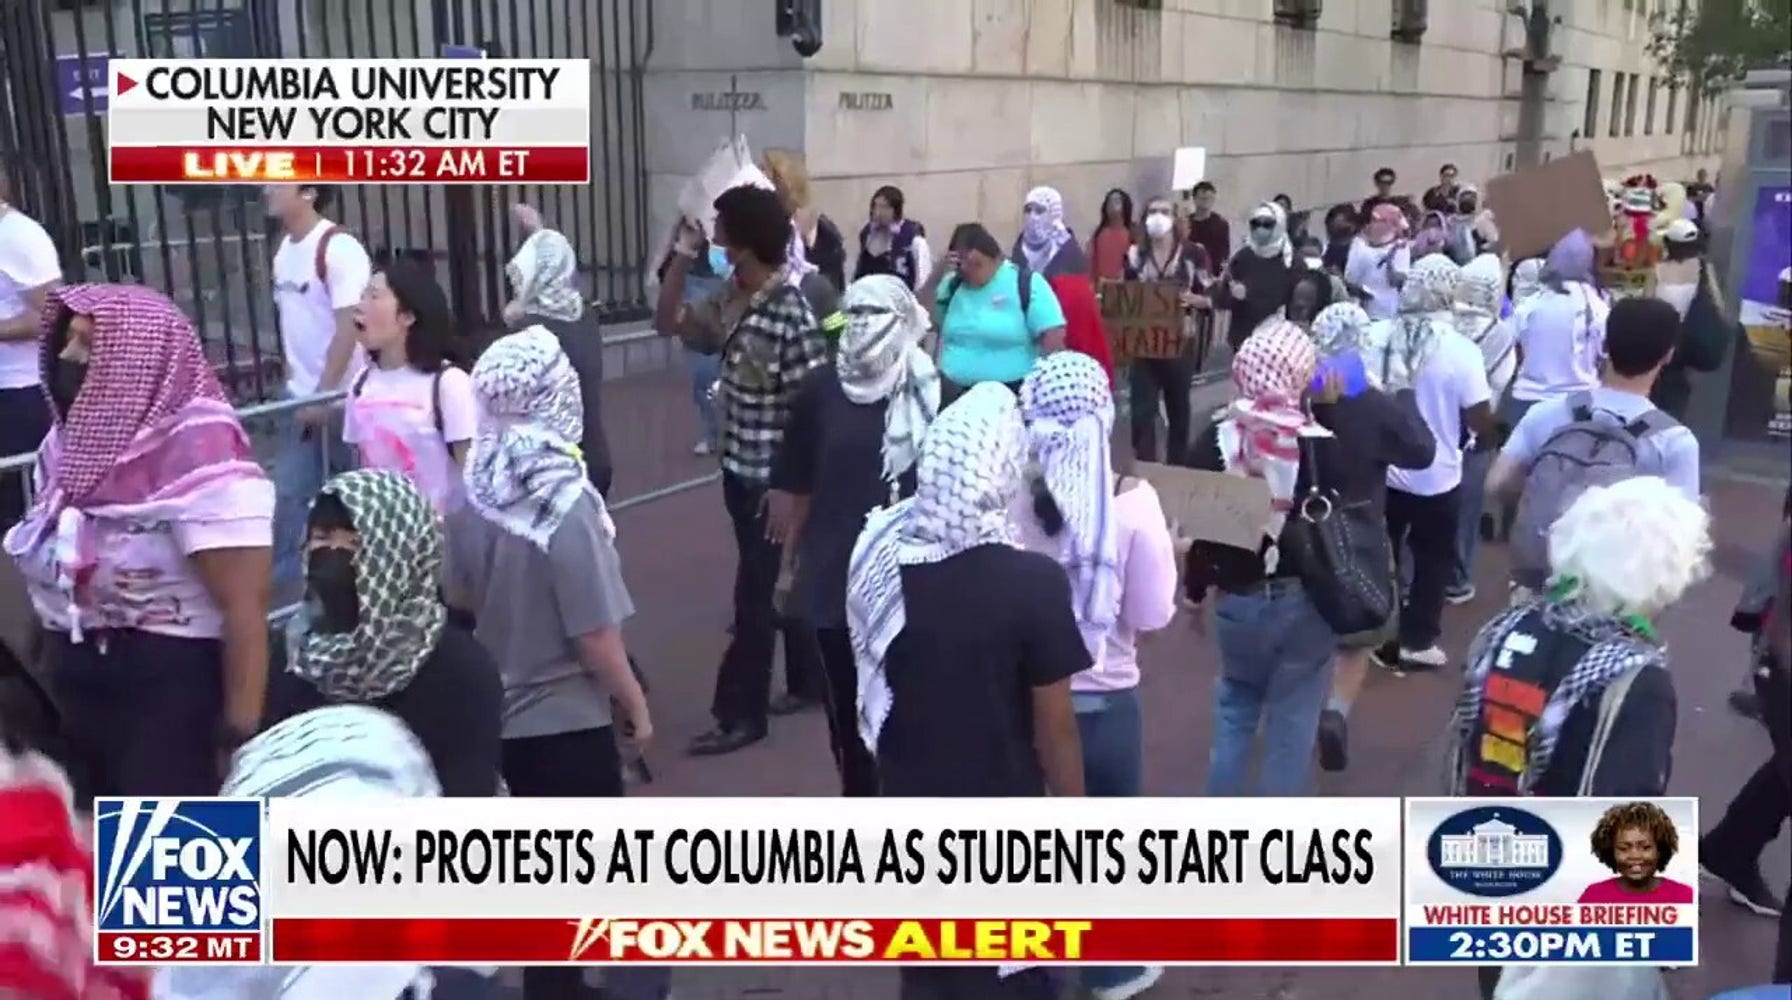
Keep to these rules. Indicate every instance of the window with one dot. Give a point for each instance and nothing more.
(1298, 13)
(1630, 106)
(1692, 110)
(1615, 126)
(1667, 125)
(1590, 127)
(1649, 109)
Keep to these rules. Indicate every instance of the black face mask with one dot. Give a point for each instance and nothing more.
(65, 383)
(330, 574)
(1468, 206)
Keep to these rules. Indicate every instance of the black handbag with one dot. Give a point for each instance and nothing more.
(1340, 550)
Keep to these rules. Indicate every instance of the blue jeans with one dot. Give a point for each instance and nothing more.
(1473, 501)
(1275, 671)
(704, 369)
(304, 457)
(1113, 756)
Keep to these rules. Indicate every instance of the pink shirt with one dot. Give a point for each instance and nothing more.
(143, 578)
(1612, 891)
(1147, 583)
(393, 423)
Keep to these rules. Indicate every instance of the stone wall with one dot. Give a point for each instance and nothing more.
(966, 104)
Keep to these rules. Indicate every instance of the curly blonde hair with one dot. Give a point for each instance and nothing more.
(789, 174)
(1645, 816)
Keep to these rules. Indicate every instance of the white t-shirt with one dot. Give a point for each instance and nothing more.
(1372, 269)
(391, 420)
(27, 260)
(1454, 379)
(1562, 336)
(308, 308)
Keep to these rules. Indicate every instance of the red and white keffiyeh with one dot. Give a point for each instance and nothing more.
(1261, 437)
(150, 436)
(46, 893)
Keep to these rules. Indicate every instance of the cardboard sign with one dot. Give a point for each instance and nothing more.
(1143, 319)
(1211, 506)
(1188, 168)
(1539, 205)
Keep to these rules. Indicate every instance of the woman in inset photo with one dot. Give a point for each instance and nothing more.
(1636, 840)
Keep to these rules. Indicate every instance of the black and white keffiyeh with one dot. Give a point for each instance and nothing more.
(881, 358)
(526, 471)
(972, 464)
(1614, 649)
(1069, 411)
(544, 277)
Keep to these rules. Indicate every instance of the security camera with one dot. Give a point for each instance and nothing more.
(806, 40)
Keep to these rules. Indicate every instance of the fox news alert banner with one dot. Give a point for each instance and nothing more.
(742, 881)
(350, 121)
(1520, 881)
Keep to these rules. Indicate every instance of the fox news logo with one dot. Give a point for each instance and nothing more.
(180, 865)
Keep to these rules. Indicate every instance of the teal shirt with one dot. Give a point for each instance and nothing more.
(985, 338)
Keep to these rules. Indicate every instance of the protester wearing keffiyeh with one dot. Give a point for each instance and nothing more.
(396, 568)
(46, 892)
(526, 471)
(149, 438)
(1261, 436)
(1399, 348)
(1043, 233)
(970, 470)
(1339, 329)
(881, 358)
(348, 754)
(1069, 412)
(544, 278)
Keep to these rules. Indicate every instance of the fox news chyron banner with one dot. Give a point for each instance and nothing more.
(350, 121)
(1538, 881)
(1006, 882)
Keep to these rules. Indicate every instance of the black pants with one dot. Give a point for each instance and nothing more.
(140, 712)
(1425, 526)
(575, 765)
(24, 420)
(957, 983)
(950, 390)
(1753, 818)
(1166, 380)
(858, 770)
(744, 679)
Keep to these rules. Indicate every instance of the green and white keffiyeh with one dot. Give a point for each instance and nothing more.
(397, 566)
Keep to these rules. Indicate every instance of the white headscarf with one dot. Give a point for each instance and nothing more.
(881, 358)
(526, 472)
(544, 278)
(1069, 410)
(1043, 235)
(971, 468)
(1527, 280)
(343, 752)
(1276, 244)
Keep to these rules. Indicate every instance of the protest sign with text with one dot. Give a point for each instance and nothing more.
(1144, 319)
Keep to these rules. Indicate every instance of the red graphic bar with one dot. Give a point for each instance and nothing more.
(177, 948)
(190, 164)
(537, 941)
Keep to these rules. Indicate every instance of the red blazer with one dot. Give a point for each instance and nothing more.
(1082, 319)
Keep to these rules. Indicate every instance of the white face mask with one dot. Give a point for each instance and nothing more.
(1316, 263)
(1158, 226)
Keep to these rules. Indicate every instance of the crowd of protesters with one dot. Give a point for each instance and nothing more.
(928, 513)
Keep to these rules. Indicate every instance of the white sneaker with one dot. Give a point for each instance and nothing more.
(1147, 978)
(1431, 658)
(702, 448)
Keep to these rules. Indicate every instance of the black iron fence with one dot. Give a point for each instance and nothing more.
(210, 248)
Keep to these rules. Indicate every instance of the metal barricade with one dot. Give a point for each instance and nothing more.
(262, 422)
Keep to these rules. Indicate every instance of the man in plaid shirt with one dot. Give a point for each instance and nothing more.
(770, 340)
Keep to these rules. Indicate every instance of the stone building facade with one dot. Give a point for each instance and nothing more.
(966, 104)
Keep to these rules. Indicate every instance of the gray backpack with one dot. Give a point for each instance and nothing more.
(1596, 448)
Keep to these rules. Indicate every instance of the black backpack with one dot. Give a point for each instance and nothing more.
(1024, 279)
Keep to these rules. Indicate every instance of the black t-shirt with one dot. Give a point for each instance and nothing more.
(454, 706)
(985, 628)
(832, 453)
